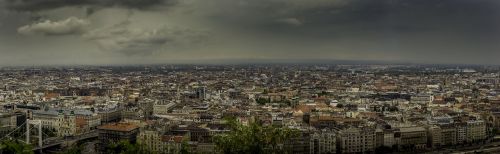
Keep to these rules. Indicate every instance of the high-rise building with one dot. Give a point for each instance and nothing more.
(200, 92)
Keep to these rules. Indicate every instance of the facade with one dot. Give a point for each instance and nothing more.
(323, 142)
(8, 122)
(155, 142)
(461, 133)
(476, 131)
(356, 140)
(63, 122)
(162, 109)
(299, 144)
(448, 135)
(413, 138)
(109, 115)
(66, 124)
(115, 132)
(389, 140)
(435, 138)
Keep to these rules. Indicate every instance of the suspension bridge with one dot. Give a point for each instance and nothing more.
(33, 132)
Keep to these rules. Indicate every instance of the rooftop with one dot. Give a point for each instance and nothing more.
(123, 127)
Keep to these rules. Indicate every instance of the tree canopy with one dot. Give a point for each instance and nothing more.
(125, 147)
(11, 147)
(254, 138)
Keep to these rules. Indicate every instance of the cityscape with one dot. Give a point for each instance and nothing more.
(327, 108)
(249, 76)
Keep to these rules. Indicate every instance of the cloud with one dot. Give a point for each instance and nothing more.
(290, 21)
(69, 26)
(138, 41)
(39, 5)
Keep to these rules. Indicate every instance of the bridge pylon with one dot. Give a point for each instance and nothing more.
(38, 125)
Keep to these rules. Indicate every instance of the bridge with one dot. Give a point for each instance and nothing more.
(59, 141)
(45, 142)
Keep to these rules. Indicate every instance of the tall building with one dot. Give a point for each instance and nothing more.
(435, 136)
(461, 132)
(200, 92)
(476, 131)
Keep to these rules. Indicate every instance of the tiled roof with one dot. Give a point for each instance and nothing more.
(124, 127)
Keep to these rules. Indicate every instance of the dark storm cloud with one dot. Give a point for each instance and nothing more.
(399, 16)
(38, 5)
(407, 29)
(135, 41)
(434, 31)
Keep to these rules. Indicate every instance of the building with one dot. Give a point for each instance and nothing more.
(356, 140)
(162, 108)
(91, 120)
(155, 142)
(461, 132)
(448, 135)
(200, 92)
(8, 122)
(412, 138)
(475, 131)
(109, 115)
(62, 122)
(435, 138)
(389, 140)
(323, 142)
(66, 124)
(299, 144)
(115, 132)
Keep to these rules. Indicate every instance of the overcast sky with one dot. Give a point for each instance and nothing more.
(47, 32)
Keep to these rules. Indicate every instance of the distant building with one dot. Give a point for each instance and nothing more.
(162, 108)
(155, 142)
(200, 92)
(109, 115)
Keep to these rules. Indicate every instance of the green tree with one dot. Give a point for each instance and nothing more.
(262, 101)
(253, 138)
(340, 105)
(125, 147)
(184, 147)
(15, 147)
(73, 150)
